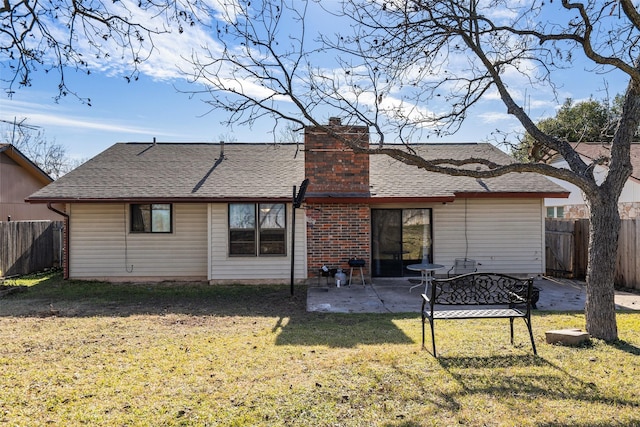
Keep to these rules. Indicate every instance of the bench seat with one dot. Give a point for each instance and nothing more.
(478, 296)
(489, 313)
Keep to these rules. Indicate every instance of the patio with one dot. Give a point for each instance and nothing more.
(392, 295)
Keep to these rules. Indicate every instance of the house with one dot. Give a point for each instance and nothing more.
(19, 178)
(574, 206)
(224, 212)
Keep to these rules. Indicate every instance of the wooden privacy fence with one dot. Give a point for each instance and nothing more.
(29, 246)
(628, 264)
(567, 245)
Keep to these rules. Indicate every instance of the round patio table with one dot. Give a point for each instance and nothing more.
(426, 273)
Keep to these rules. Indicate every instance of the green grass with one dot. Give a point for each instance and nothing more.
(91, 353)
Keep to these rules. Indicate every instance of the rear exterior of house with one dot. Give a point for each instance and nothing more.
(224, 212)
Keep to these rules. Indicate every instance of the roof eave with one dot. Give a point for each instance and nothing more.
(308, 199)
(430, 199)
(513, 195)
(378, 200)
(158, 199)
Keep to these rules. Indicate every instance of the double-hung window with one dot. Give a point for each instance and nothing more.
(257, 229)
(151, 218)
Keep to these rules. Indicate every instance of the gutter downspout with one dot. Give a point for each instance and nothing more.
(65, 252)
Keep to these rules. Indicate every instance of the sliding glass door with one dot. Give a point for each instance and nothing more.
(399, 237)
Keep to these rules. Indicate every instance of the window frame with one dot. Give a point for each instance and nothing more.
(151, 209)
(260, 233)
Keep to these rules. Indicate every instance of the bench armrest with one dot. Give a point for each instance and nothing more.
(518, 299)
(426, 301)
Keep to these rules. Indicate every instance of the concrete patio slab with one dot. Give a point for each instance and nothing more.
(393, 295)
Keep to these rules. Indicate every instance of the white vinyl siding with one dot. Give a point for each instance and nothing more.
(102, 247)
(503, 235)
(273, 269)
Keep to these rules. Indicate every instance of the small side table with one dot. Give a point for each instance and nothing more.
(426, 272)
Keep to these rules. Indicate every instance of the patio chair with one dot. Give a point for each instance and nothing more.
(462, 266)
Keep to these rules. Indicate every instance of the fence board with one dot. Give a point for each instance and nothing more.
(636, 258)
(29, 246)
(581, 245)
(627, 265)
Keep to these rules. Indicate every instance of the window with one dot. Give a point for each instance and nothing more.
(272, 228)
(151, 218)
(242, 229)
(555, 211)
(257, 229)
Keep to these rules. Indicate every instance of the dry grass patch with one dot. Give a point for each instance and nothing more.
(79, 353)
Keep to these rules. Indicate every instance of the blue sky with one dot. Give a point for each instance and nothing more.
(152, 107)
(119, 112)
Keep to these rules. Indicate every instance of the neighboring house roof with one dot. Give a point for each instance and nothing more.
(596, 150)
(191, 172)
(14, 154)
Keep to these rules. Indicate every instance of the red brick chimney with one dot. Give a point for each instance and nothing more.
(333, 169)
(337, 200)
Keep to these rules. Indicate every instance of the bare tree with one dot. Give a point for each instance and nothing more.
(61, 35)
(397, 58)
(227, 137)
(48, 155)
(290, 134)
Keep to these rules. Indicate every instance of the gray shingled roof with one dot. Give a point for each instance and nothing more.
(182, 171)
(391, 178)
(134, 171)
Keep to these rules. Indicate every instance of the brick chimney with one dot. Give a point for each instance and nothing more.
(337, 206)
(333, 169)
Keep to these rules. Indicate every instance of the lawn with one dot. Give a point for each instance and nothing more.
(91, 353)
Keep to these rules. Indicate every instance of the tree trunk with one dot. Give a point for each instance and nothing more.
(603, 248)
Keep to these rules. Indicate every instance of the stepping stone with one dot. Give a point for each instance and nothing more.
(566, 336)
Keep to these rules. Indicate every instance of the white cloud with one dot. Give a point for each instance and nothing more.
(163, 55)
(50, 120)
(43, 116)
(494, 117)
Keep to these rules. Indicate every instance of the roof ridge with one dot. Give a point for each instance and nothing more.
(205, 143)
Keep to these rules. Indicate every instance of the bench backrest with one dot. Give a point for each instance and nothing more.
(481, 289)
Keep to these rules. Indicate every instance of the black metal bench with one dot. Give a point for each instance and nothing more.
(478, 296)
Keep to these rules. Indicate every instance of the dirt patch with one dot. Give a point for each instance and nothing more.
(86, 299)
(8, 290)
